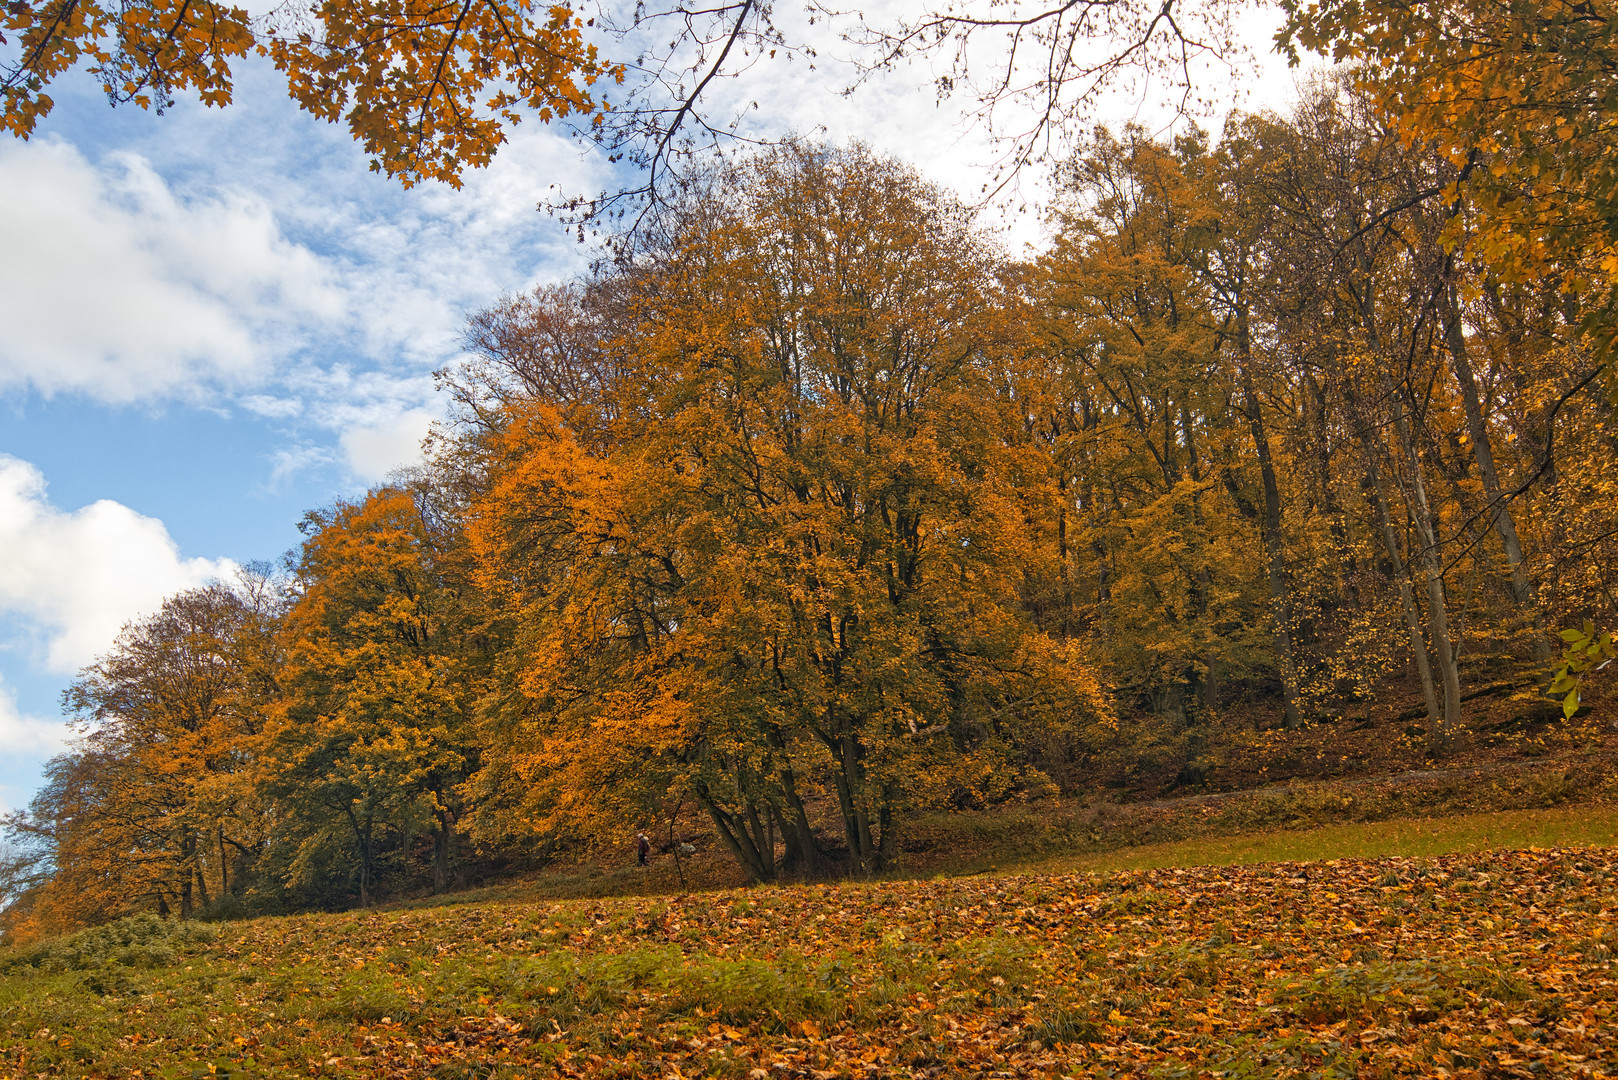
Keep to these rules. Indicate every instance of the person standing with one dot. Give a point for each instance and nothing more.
(643, 849)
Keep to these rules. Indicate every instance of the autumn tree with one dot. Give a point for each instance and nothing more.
(1515, 97)
(365, 746)
(1147, 304)
(795, 566)
(153, 808)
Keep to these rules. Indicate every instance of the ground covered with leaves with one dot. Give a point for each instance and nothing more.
(1504, 964)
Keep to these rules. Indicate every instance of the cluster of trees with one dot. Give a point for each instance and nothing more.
(814, 509)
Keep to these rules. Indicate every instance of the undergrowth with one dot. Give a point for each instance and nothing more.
(140, 941)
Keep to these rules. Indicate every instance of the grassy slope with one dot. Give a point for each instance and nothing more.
(1499, 962)
(1583, 826)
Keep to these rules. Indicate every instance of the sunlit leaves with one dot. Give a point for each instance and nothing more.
(1584, 650)
(410, 76)
(429, 87)
(781, 553)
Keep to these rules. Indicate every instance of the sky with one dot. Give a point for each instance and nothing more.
(214, 320)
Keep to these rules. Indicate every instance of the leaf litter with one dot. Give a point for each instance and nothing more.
(1496, 965)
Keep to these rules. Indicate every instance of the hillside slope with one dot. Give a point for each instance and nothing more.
(1502, 963)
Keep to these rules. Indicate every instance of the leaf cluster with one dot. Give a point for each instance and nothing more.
(429, 88)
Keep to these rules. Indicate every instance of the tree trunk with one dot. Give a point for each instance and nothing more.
(1204, 684)
(802, 850)
(188, 854)
(861, 842)
(1522, 589)
(735, 839)
(202, 886)
(362, 840)
(759, 832)
(1433, 569)
(443, 844)
(1407, 594)
(1280, 602)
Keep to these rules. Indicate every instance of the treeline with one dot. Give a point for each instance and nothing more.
(813, 509)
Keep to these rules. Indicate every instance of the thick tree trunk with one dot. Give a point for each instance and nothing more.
(861, 842)
(734, 836)
(1522, 588)
(443, 850)
(245, 859)
(362, 840)
(1280, 601)
(763, 838)
(202, 886)
(885, 823)
(802, 850)
(849, 780)
(1433, 571)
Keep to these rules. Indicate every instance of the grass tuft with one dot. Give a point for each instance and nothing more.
(140, 941)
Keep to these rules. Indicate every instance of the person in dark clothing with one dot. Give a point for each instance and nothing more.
(643, 849)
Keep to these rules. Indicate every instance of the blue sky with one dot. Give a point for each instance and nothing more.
(213, 320)
(210, 321)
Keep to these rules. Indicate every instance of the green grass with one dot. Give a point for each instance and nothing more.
(1162, 969)
(1466, 963)
(1574, 826)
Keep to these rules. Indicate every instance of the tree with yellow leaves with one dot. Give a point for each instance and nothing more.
(794, 568)
(365, 746)
(154, 806)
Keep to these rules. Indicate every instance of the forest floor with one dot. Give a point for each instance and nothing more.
(1501, 964)
(1377, 912)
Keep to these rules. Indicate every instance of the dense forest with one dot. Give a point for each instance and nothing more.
(812, 509)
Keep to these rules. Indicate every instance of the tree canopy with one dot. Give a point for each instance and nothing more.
(784, 545)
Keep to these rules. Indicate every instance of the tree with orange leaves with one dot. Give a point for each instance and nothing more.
(154, 806)
(792, 567)
(365, 744)
(428, 88)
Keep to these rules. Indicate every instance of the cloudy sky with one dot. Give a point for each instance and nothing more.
(213, 320)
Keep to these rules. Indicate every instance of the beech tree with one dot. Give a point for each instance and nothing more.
(365, 747)
(154, 805)
(796, 565)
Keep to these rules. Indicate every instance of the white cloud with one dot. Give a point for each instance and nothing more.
(73, 578)
(287, 462)
(374, 450)
(246, 261)
(26, 736)
(115, 287)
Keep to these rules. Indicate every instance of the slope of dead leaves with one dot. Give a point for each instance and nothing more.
(1499, 965)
